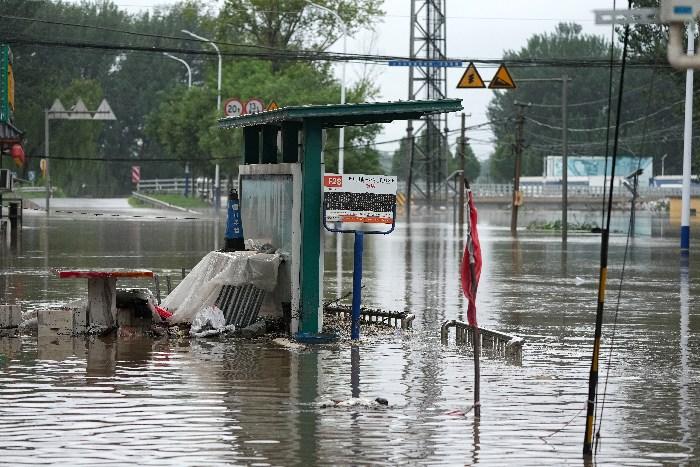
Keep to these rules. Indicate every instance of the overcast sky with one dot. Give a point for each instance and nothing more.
(478, 29)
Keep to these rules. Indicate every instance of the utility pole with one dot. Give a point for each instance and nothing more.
(519, 123)
(409, 179)
(687, 146)
(462, 148)
(565, 162)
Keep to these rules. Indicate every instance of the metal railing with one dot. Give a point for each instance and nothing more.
(203, 186)
(505, 190)
(497, 342)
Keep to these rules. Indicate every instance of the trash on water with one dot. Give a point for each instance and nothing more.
(354, 402)
(579, 280)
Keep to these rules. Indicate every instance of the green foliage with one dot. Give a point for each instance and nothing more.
(176, 200)
(140, 86)
(556, 226)
(185, 123)
(400, 161)
(294, 24)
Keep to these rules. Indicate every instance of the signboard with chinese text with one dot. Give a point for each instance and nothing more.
(356, 198)
(7, 85)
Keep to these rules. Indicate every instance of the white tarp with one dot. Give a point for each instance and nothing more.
(201, 286)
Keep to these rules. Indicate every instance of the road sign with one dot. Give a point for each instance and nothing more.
(471, 78)
(254, 106)
(272, 106)
(368, 199)
(427, 63)
(135, 174)
(233, 107)
(502, 79)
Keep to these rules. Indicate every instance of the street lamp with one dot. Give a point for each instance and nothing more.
(662, 163)
(218, 80)
(344, 28)
(217, 196)
(189, 70)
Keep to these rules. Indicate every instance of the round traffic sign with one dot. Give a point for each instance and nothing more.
(233, 107)
(254, 106)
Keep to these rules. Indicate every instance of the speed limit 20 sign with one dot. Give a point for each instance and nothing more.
(234, 107)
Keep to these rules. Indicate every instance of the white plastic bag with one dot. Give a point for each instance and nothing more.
(209, 321)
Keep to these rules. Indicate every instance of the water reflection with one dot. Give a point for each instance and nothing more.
(225, 402)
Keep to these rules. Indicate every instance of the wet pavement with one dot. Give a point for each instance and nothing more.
(136, 401)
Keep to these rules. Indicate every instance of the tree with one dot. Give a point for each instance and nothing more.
(185, 123)
(400, 161)
(293, 24)
(648, 109)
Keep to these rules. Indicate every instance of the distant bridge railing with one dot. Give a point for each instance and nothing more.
(505, 190)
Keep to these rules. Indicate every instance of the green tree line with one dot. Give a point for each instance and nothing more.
(652, 107)
(161, 123)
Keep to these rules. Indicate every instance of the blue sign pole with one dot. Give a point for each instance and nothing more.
(233, 239)
(357, 284)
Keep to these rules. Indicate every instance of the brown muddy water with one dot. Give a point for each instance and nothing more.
(209, 402)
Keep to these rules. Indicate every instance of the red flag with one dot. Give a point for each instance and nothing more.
(471, 262)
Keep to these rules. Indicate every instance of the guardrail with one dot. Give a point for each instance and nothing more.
(498, 342)
(505, 190)
(203, 186)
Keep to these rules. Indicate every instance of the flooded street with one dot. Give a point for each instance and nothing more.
(209, 402)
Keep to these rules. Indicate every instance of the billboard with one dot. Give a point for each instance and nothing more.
(594, 166)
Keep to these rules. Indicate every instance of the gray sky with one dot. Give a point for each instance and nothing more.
(479, 29)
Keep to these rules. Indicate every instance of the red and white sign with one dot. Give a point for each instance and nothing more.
(367, 199)
(254, 106)
(135, 174)
(233, 107)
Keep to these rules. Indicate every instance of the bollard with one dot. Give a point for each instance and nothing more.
(233, 239)
(13, 214)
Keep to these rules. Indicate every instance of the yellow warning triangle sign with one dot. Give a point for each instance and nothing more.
(502, 79)
(272, 106)
(471, 78)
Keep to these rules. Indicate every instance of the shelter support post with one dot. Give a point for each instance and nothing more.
(310, 228)
(290, 142)
(269, 144)
(251, 145)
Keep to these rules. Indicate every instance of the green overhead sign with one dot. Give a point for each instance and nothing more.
(7, 85)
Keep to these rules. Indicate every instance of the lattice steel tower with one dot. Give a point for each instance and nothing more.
(428, 151)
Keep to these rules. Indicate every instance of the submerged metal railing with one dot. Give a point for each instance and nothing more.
(403, 319)
(494, 341)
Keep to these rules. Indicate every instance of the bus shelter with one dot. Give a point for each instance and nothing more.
(281, 186)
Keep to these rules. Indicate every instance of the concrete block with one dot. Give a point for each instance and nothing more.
(80, 318)
(55, 321)
(10, 316)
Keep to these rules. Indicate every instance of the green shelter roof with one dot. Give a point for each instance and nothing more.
(339, 115)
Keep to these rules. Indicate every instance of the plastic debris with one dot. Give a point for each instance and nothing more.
(209, 322)
(202, 285)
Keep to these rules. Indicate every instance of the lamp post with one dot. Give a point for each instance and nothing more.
(189, 70)
(344, 28)
(217, 189)
(189, 85)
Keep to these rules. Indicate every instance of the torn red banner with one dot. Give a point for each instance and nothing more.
(471, 261)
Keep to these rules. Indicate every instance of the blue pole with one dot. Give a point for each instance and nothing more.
(357, 285)
(233, 238)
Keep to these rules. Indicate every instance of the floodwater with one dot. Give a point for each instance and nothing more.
(215, 402)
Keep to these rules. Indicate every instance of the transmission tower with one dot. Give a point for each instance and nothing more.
(427, 141)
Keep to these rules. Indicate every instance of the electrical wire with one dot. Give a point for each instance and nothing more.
(605, 237)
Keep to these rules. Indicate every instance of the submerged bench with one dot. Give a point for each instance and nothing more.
(102, 291)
